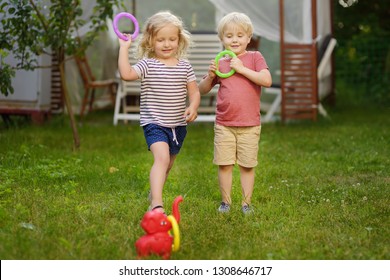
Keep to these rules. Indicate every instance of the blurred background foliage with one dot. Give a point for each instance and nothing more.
(362, 56)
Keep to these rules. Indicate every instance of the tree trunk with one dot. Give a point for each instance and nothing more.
(68, 105)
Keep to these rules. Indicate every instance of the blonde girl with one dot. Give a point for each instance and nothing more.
(166, 81)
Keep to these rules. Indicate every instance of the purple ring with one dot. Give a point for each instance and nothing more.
(133, 19)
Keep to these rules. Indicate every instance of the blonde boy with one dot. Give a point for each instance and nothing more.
(237, 128)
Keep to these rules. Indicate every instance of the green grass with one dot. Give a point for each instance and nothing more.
(321, 192)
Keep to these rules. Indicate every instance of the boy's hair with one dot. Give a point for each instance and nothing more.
(153, 25)
(235, 18)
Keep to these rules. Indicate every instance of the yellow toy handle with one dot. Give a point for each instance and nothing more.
(176, 233)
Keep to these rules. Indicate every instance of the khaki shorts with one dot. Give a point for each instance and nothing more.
(236, 144)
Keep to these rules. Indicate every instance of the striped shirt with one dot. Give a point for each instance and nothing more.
(163, 91)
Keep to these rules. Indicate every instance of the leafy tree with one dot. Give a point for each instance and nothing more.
(363, 56)
(31, 28)
(369, 18)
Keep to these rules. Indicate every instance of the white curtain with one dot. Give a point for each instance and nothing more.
(265, 17)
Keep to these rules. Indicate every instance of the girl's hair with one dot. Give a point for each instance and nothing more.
(153, 25)
(235, 18)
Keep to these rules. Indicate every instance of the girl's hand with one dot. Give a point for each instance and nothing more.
(190, 114)
(123, 43)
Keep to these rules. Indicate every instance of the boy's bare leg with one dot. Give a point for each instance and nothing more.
(225, 177)
(247, 176)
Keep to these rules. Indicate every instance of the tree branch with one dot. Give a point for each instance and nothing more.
(39, 14)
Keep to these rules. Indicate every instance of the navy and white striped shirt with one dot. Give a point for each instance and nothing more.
(163, 91)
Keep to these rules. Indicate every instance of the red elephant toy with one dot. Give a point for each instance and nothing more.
(157, 239)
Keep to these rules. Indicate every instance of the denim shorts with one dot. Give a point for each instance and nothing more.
(174, 137)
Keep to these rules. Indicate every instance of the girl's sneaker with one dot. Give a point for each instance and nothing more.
(158, 208)
(224, 207)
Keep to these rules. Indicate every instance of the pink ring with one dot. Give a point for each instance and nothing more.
(133, 19)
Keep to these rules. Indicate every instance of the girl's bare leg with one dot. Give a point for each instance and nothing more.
(162, 164)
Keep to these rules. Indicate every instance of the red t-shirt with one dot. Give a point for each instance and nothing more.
(238, 99)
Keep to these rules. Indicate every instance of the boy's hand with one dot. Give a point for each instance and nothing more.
(212, 69)
(236, 64)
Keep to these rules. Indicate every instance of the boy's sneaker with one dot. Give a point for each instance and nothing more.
(246, 209)
(224, 207)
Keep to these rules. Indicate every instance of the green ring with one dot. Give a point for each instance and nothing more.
(218, 57)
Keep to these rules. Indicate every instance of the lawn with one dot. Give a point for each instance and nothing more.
(321, 192)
